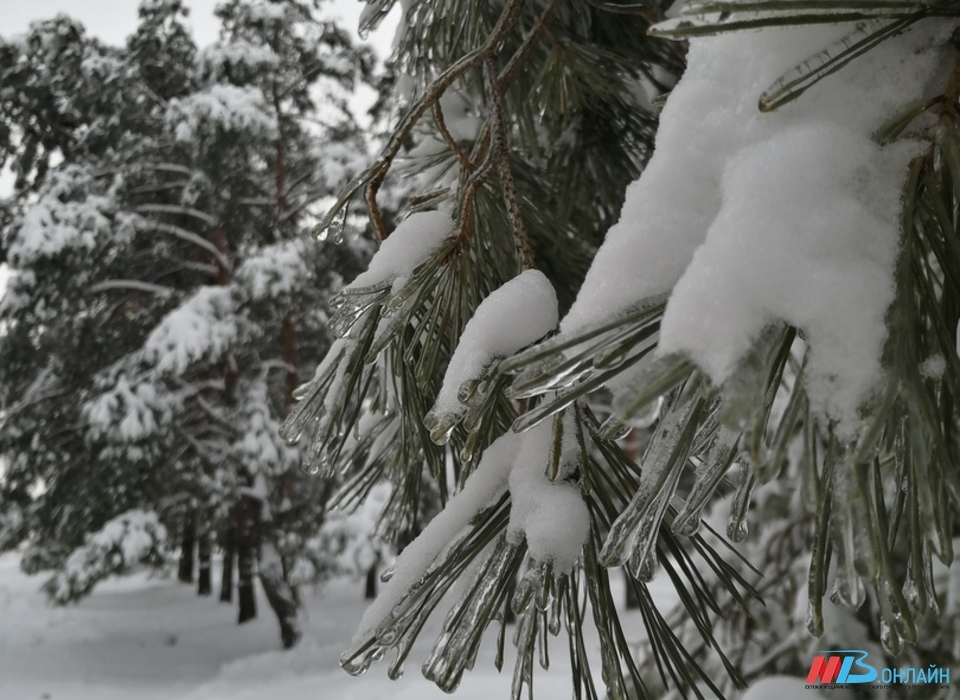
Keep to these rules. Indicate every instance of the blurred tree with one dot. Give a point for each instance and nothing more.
(162, 303)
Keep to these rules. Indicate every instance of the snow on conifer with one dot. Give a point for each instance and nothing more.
(488, 481)
(226, 107)
(202, 327)
(133, 538)
(548, 513)
(752, 218)
(512, 317)
(410, 244)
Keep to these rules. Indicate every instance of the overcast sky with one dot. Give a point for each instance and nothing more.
(113, 20)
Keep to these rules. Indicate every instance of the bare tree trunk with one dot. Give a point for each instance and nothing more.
(229, 558)
(280, 594)
(246, 561)
(246, 594)
(187, 547)
(370, 588)
(204, 584)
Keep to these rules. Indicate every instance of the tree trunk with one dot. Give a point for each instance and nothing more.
(247, 596)
(370, 589)
(226, 580)
(204, 585)
(187, 546)
(246, 559)
(280, 594)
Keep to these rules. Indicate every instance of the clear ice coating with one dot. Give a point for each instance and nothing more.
(707, 477)
(609, 660)
(456, 648)
(647, 415)
(662, 464)
(815, 617)
(737, 529)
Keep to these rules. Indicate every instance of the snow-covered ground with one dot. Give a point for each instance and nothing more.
(147, 638)
(142, 638)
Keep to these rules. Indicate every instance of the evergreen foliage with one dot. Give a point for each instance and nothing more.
(162, 302)
(530, 120)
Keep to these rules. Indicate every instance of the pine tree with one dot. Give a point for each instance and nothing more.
(163, 303)
(776, 299)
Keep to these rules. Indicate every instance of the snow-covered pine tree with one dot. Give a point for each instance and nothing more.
(163, 303)
(778, 297)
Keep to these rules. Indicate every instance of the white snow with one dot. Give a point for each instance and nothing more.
(128, 411)
(347, 537)
(261, 450)
(228, 107)
(150, 638)
(154, 639)
(203, 326)
(512, 317)
(274, 270)
(550, 515)
(237, 53)
(266, 11)
(483, 486)
(933, 367)
(68, 214)
(462, 124)
(118, 546)
(750, 218)
(410, 244)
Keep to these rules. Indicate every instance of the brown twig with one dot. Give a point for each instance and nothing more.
(452, 144)
(510, 71)
(501, 157)
(470, 189)
(379, 171)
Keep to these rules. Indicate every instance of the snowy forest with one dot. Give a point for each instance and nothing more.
(599, 349)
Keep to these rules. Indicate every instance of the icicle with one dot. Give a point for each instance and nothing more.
(542, 642)
(463, 628)
(557, 374)
(664, 460)
(737, 529)
(556, 607)
(797, 81)
(524, 640)
(360, 662)
(613, 429)
(441, 426)
(848, 588)
(708, 476)
(749, 393)
(647, 416)
(609, 660)
(644, 564)
(614, 355)
(848, 502)
(524, 593)
(653, 377)
(816, 579)
(395, 671)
